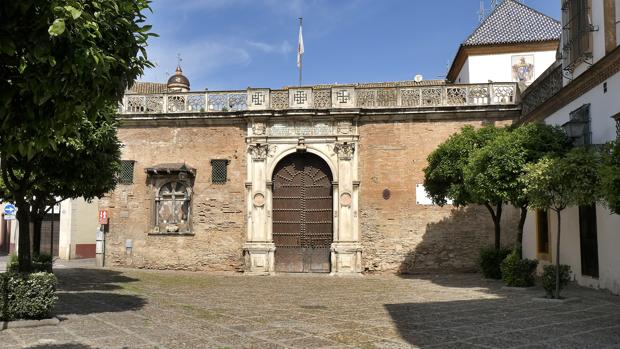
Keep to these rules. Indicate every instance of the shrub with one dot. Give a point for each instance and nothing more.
(517, 272)
(490, 260)
(27, 296)
(548, 278)
(42, 263)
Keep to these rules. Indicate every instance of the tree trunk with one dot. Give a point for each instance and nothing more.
(23, 253)
(557, 258)
(497, 222)
(37, 221)
(520, 231)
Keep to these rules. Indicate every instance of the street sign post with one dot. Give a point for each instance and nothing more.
(103, 216)
(9, 212)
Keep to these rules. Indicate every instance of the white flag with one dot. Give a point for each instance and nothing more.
(300, 48)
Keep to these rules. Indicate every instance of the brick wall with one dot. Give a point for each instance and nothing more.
(218, 210)
(399, 235)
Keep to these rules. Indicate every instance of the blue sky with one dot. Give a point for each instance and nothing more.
(235, 44)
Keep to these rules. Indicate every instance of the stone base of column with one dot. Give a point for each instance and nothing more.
(259, 258)
(346, 258)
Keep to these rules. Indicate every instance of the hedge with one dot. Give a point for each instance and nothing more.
(490, 260)
(27, 296)
(42, 263)
(517, 272)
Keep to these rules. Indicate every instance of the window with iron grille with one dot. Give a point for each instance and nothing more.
(577, 32)
(126, 174)
(618, 126)
(219, 171)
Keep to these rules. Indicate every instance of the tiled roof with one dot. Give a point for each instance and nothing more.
(147, 88)
(513, 22)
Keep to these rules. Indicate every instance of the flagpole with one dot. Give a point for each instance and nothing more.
(300, 55)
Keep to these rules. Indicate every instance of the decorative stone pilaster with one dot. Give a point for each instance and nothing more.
(344, 150)
(346, 258)
(260, 152)
(259, 258)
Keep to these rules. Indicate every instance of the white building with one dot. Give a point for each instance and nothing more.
(581, 88)
(514, 43)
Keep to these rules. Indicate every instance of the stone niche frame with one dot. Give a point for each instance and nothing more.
(338, 147)
(157, 177)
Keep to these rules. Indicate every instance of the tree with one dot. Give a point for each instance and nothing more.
(610, 176)
(444, 177)
(556, 183)
(86, 165)
(60, 61)
(493, 172)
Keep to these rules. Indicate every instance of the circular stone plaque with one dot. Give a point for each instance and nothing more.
(345, 199)
(259, 199)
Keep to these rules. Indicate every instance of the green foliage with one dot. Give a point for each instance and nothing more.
(492, 171)
(27, 296)
(444, 175)
(549, 277)
(610, 176)
(490, 260)
(517, 272)
(61, 60)
(555, 183)
(41, 263)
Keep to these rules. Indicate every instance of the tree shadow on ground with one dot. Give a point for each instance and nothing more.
(85, 291)
(90, 279)
(61, 346)
(452, 245)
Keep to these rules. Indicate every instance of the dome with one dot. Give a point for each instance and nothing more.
(178, 81)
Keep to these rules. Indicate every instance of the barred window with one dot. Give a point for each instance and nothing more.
(125, 176)
(577, 31)
(617, 117)
(219, 171)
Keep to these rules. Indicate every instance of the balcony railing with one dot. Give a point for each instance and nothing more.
(322, 98)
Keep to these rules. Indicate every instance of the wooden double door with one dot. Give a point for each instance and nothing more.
(302, 214)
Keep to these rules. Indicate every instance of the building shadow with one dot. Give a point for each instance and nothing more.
(435, 323)
(452, 245)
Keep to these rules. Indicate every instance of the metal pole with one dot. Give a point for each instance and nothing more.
(298, 47)
(52, 235)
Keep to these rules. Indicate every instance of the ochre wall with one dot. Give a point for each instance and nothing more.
(399, 235)
(217, 209)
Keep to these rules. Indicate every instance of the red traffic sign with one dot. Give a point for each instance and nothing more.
(103, 216)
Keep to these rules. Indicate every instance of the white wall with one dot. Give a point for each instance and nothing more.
(602, 107)
(78, 225)
(598, 36)
(498, 67)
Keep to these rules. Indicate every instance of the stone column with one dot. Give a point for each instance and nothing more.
(259, 248)
(346, 249)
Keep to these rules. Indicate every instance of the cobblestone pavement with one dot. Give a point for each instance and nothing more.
(104, 308)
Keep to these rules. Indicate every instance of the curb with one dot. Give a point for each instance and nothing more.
(4, 325)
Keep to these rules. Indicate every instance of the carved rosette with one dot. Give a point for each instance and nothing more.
(260, 152)
(344, 150)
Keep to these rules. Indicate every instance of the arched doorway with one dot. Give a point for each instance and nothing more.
(302, 214)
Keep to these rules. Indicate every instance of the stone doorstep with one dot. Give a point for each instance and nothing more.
(28, 323)
(556, 301)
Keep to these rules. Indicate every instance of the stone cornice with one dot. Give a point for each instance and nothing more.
(602, 70)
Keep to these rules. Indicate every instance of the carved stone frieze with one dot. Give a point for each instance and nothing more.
(259, 128)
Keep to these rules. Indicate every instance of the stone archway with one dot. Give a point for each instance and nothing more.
(302, 204)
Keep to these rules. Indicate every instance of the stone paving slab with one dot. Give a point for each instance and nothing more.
(119, 308)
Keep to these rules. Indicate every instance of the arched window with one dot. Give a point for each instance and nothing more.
(173, 208)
